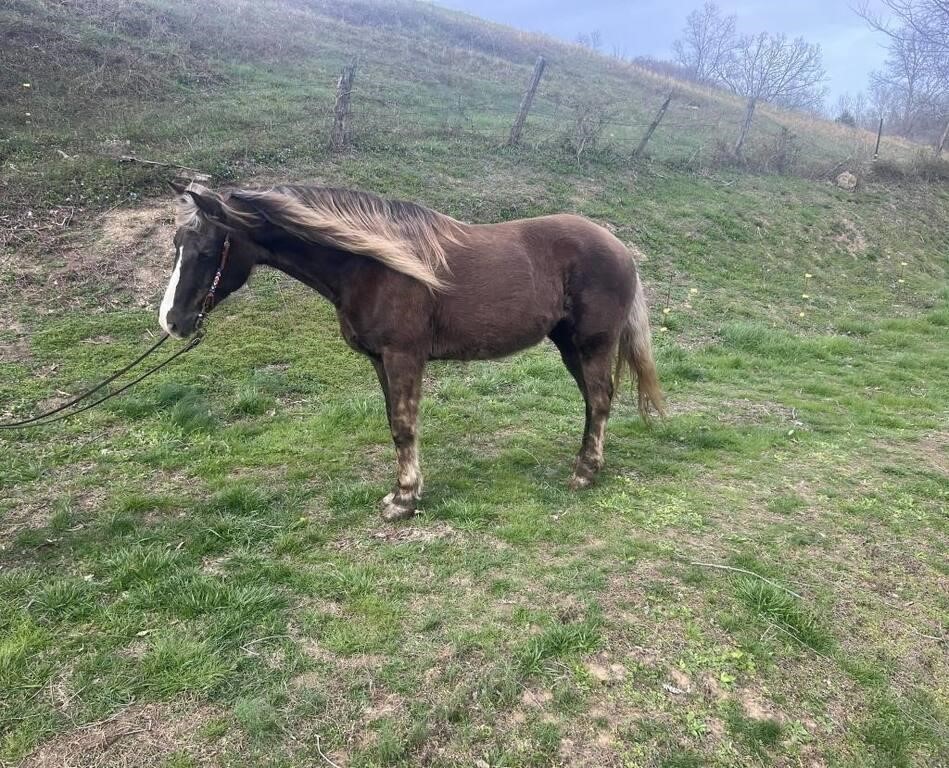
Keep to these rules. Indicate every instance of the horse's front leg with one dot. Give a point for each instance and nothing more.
(403, 375)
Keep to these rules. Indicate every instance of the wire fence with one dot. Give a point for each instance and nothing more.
(584, 125)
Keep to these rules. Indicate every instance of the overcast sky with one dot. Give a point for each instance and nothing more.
(648, 27)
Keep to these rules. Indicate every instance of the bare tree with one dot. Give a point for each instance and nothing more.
(771, 68)
(706, 43)
(844, 112)
(854, 107)
(592, 40)
(928, 20)
(855, 110)
(943, 141)
(883, 100)
(861, 110)
(916, 74)
(910, 73)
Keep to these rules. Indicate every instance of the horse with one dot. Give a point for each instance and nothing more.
(410, 284)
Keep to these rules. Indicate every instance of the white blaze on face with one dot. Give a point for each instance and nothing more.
(169, 299)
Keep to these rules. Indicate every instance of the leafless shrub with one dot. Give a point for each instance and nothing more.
(722, 155)
(781, 155)
(591, 115)
(928, 168)
(923, 168)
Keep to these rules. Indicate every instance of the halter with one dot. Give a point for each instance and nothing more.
(209, 300)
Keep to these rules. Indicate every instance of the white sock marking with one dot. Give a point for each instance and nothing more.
(169, 299)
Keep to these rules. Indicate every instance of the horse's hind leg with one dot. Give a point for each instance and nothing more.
(562, 337)
(591, 368)
(403, 375)
(596, 362)
(384, 383)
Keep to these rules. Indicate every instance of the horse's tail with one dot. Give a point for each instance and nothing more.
(635, 352)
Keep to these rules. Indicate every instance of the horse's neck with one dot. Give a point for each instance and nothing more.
(318, 267)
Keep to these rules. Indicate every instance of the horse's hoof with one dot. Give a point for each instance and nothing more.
(394, 509)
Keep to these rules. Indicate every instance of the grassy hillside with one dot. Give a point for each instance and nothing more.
(241, 89)
(196, 574)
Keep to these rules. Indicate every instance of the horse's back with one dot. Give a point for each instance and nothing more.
(512, 283)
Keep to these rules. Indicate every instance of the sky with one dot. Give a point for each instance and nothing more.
(649, 27)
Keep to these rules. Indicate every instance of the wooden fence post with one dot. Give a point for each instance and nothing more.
(526, 102)
(942, 142)
(876, 149)
(652, 126)
(342, 128)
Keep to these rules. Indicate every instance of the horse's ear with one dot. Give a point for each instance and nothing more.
(179, 188)
(209, 204)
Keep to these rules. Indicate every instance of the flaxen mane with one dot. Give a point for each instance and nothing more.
(406, 237)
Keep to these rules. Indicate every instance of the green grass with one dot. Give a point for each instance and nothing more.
(760, 735)
(557, 642)
(772, 604)
(208, 547)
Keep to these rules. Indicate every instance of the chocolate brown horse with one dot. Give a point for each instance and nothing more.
(411, 285)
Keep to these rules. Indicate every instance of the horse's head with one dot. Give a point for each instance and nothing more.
(200, 239)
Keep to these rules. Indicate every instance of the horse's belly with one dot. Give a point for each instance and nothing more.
(492, 330)
(487, 349)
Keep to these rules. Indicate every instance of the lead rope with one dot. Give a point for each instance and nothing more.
(89, 392)
(43, 419)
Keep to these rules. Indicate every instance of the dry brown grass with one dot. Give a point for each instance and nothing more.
(120, 256)
(139, 736)
(137, 243)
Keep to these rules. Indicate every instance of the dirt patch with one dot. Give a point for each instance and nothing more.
(34, 504)
(536, 697)
(680, 680)
(594, 740)
(356, 662)
(138, 242)
(850, 238)
(585, 192)
(934, 450)
(22, 517)
(604, 671)
(712, 689)
(112, 257)
(393, 534)
(739, 412)
(757, 707)
(214, 566)
(141, 735)
(61, 689)
(383, 704)
(307, 680)
(137, 650)
(337, 678)
(14, 347)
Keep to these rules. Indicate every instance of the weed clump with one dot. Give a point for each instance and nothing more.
(784, 610)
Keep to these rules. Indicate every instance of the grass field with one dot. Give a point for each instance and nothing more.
(197, 575)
